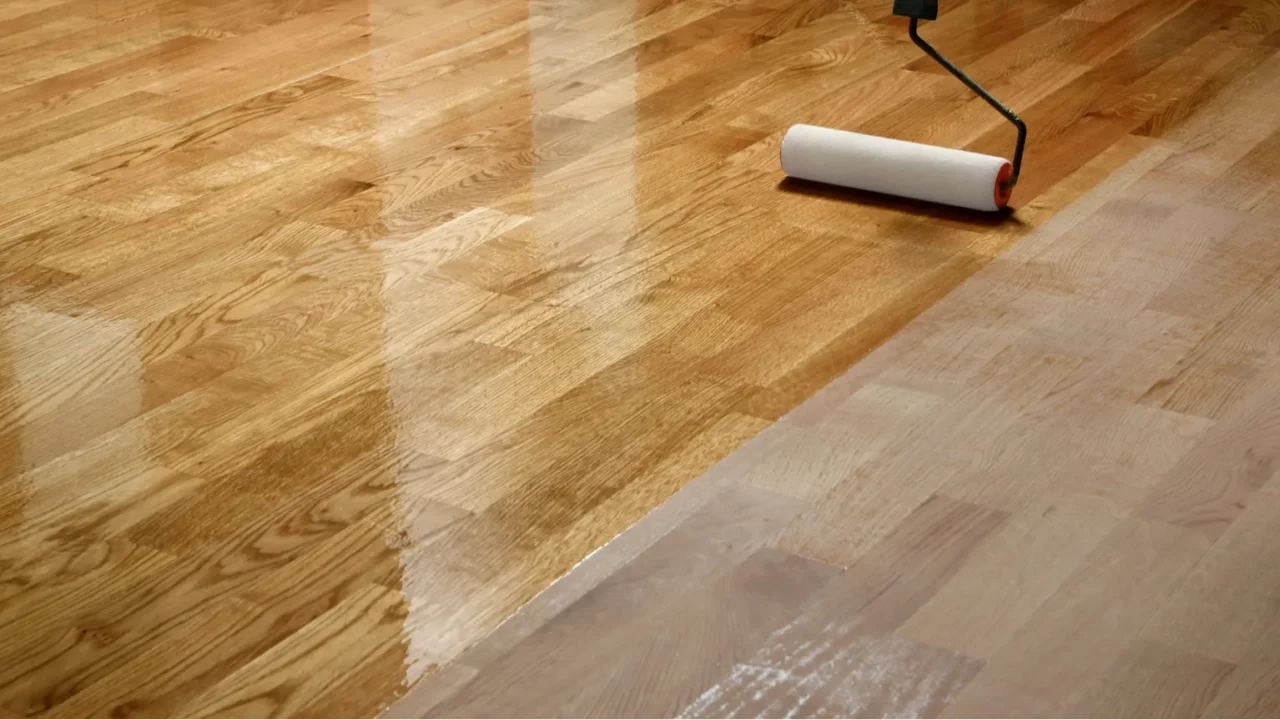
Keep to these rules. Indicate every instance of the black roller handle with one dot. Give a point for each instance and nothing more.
(919, 10)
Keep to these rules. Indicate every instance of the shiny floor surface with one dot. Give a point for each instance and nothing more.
(333, 331)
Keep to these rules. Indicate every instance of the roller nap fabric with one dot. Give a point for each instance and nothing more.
(895, 167)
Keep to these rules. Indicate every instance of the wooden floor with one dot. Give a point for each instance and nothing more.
(1054, 494)
(334, 331)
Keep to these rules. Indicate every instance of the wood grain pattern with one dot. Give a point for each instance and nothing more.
(1154, 680)
(1007, 577)
(333, 332)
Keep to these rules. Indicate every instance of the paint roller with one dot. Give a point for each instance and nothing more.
(908, 169)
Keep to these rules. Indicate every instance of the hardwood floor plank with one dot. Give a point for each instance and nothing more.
(971, 33)
(672, 650)
(164, 666)
(827, 660)
(75, 124)
(351, 559)
(818, 458)
(152, 610)
(1239, 449)
(1152, 680)
(1008, 577)
(1218, 612)
(1208, 384)
(59, 620)
(867, 504)
(42, 165)
(272, 682)
(1076, 116)
(1205, 293)
(755, 360)
(30, 13)
(101, 82)
(1250, 690)
(1071, 640)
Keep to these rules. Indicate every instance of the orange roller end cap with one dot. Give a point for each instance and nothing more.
(1003, 193)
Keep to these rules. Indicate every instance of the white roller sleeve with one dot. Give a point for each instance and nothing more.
(894, 167)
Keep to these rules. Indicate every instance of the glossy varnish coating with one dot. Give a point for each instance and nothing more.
(332, 332)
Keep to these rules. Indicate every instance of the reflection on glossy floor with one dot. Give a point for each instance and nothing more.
(332, 331)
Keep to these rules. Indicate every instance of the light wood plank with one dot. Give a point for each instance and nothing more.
(1075, 636)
